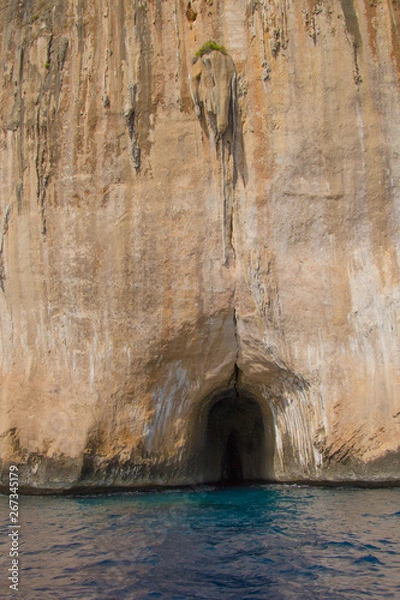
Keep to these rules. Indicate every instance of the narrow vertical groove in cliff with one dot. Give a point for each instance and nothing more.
(353, 29)
(144, 103)
(236, 370)
(41, 176)
(227, 206)
(131, 123)
(395, 34)
(4, 230)
(21, 117)
(175, 11)
(80, 31)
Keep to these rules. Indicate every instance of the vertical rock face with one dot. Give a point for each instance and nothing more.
(192, 297)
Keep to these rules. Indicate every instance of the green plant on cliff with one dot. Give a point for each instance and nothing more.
(209, 47)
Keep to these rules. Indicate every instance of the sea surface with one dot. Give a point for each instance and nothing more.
(270, 542)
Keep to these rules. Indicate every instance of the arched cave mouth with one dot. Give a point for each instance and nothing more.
(236, 450)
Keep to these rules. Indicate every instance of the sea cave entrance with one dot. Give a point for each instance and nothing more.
(238, 441)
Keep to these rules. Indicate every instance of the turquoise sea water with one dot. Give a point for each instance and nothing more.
(269, 542)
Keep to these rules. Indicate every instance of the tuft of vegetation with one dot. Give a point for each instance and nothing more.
(47, 65)
(209, 47)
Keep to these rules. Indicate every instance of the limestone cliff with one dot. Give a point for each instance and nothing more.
(199, 242)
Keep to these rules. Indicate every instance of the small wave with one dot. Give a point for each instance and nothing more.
(344, 544)
(369, 559)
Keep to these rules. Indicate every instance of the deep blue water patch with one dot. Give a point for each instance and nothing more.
(256, 542)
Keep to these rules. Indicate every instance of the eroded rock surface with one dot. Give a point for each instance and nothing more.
(213, 88)
(157, 271)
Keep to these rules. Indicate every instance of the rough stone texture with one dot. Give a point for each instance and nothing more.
(149, 268)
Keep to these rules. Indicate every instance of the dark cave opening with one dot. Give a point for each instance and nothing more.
(231, 468)
(236, 448)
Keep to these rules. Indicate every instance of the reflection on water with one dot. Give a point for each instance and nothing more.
(275, 542)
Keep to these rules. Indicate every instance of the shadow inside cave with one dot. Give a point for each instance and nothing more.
(239, 442)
